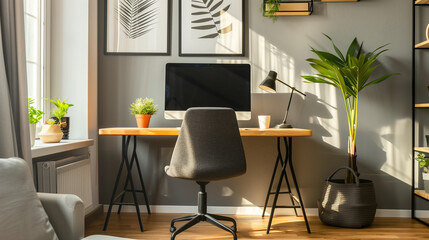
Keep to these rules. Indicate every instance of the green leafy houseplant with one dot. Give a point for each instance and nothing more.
(351, 74)
(34, 115)
(269, 8)
(143, 107)
(61, 108)
(423, 162)
(51, 122)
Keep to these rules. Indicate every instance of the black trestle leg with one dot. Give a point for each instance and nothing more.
(106, 222)
(284, 163)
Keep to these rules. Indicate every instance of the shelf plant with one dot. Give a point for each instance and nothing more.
(269, 8)
(143, 109)
(350, 73)
(424, 164)
(34, 117)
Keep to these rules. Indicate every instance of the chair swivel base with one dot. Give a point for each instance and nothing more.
(203, 216)
(196, 218)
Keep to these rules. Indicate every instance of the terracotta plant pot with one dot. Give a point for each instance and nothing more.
(50, 133)
(143, 120)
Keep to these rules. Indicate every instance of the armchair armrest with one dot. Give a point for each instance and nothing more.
(66, 214)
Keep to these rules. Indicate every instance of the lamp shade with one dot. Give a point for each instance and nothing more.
(269, 84)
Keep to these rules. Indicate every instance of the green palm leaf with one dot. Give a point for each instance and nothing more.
(136, 17)
(210, 12)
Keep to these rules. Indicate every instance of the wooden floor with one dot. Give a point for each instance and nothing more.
(254, 227)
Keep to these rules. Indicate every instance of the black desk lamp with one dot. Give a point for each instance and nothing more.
(269, 85)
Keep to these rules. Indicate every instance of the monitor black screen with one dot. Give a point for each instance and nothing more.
(207, 85)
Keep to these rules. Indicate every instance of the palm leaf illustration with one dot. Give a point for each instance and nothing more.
(136, 17)
(208, 14)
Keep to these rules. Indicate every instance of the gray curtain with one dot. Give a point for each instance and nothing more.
(14, 127)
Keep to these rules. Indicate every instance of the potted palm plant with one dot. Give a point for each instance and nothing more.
(59, 112)
(424, 164)
(143, 109)
(34, 117)
(351, 74)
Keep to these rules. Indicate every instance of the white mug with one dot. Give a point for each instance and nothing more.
(264, 121)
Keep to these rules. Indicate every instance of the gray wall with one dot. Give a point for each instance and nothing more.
(384, 131)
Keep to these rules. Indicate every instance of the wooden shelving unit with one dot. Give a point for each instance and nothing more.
(422, 2)
(298, 8)
(416, 193)
(424, 44)
(422, 149)
(422, 105)
(422, 194)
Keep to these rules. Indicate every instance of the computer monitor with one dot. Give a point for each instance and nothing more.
(207, 85)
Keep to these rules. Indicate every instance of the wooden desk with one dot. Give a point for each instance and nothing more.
(244, 132)
(285, 134)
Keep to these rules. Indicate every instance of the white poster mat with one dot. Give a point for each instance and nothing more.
(197, 37)
(154, 40)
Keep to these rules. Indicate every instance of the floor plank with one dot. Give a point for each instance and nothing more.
(254, 227)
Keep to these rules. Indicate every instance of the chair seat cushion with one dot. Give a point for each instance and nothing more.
(21, 213)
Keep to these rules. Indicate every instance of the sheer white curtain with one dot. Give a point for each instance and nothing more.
(14, 127)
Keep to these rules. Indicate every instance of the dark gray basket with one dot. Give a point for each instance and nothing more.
(347, 205)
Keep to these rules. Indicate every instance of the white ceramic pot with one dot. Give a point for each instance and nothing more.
(32, 134)
(50, 133)
(426, 181)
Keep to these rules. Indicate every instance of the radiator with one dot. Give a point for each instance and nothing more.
(70, 175)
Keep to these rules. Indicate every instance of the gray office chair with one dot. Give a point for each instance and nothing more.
(208, 148)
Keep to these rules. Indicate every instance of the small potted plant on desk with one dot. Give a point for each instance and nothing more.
(34, 117)
(143, 109)
(424, 163)
(61, 109)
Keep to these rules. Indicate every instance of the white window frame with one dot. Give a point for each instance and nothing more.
(43, 70)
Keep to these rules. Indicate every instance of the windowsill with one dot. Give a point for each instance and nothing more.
(43, 149)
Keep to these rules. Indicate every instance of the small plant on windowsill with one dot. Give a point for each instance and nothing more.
(424, 164)
(34, 117)
(143, 109)
(59, 112)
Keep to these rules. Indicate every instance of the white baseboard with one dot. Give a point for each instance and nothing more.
(395, 213)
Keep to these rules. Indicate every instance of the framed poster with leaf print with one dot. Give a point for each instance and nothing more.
(211, 28)
(137, 27)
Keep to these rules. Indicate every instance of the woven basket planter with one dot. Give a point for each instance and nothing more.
(347, 205)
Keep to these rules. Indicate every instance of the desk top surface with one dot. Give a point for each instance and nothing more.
(245, 132)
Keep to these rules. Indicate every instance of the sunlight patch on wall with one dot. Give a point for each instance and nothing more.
(397, 163)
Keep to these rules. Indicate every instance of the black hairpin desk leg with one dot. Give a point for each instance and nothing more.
(293, 198)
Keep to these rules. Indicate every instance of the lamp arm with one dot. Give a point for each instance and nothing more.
(288, 106)
(291, 87)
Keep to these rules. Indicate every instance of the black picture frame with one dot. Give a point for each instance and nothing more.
(188, 54)
(167, 52)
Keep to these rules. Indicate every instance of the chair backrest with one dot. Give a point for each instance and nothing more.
(209, 146)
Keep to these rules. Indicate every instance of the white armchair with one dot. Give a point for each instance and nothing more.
(27, 215)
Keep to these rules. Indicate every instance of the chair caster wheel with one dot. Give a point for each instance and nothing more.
(172, 229)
